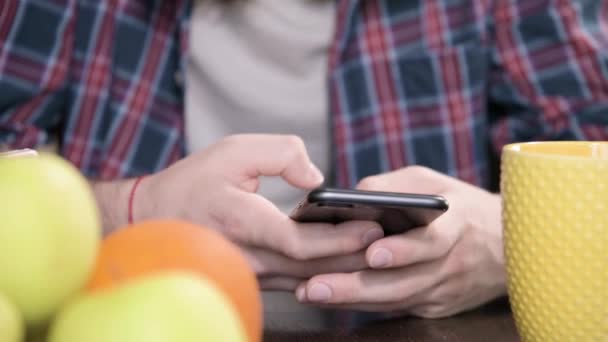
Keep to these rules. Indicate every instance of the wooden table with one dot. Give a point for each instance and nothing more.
(491, 323)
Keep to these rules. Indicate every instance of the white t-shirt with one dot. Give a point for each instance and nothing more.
(260, 66)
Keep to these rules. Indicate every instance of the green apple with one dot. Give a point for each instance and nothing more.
(11, 323)
(49, 234)
(165, 307)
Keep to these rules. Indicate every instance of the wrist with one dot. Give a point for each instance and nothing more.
(113, 202)
(131, 201)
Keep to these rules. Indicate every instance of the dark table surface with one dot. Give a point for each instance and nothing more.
(493, 323)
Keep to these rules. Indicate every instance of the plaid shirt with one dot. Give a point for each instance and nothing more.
(440, 83)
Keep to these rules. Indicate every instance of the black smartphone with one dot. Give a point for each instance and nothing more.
(395, 212)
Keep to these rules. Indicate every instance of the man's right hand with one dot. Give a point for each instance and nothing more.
(217, 188)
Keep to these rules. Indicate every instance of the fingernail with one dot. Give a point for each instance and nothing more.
(301, 294)
(319, 292)
(315, 174)
(382, 257)
(372, 235)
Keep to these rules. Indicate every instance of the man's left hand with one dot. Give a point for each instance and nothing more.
(454, 264)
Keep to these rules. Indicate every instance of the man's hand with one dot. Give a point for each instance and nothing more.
(454, 264)
(217, 188)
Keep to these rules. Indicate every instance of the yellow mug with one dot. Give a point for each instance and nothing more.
(555, 221)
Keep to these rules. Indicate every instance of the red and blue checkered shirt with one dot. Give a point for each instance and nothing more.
(440, 83)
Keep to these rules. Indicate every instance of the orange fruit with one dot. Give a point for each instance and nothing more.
(162, 245)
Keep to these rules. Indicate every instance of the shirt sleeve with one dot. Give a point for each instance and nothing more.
(549, 72)
(36, 38)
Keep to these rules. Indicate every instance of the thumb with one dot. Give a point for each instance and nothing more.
(256, 155)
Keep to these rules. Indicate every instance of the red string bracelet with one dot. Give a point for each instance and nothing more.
(131, 197)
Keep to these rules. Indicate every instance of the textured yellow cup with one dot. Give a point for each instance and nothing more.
(555, 217)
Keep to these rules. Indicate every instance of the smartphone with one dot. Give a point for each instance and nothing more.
(395, 212)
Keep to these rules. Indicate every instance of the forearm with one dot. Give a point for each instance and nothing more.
(113, 202)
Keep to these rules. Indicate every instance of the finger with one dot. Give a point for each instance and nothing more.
(412, 179)
(257, 222)
(372, 286)
(418, 306)
(271, 155)
(271, 264)
(417, 245)
(394, 308)
(279, 283)
(409, 306)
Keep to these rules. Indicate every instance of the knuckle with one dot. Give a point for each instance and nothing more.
(294, 143)
(295, 147)
(460, 262)
(420, 171)
(443, 294)
(230, 145)
(345, 246)
(228, 222)
(233, 230)
(454, 266)
(370, 183)
(436, 238)
(234, 227)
